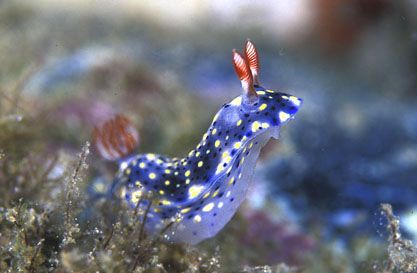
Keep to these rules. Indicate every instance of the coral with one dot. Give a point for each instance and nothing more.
(43, 237)
(71, 197)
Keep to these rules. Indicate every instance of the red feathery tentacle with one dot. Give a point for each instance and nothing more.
(129, 134)
(116, 138)
(110, 128)
(101, 144)
(243, 72)
(252, 58)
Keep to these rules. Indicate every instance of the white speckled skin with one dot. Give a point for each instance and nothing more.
(211, 224)
(207, 187)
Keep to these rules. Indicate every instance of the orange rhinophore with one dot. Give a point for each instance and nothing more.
(116, 138)
(251, 55)
(245, 75)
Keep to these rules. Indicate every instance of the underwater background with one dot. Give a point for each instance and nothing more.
(336, 193)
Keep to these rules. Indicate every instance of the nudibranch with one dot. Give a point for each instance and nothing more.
(203, 190)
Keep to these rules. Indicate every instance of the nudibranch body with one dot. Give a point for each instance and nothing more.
(203, 190)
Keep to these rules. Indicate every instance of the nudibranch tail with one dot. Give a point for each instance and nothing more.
(245, 75)
(252, 58)
(116, 138)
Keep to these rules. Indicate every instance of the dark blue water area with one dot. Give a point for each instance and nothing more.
(352, 152)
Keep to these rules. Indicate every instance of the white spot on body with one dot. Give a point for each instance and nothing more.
(208, 207)
(255, 126)
(262, 107)
(195, 190)
(185, 210)
(166, 202)
(296, 101)
(217, 143)
(197, 219)
(150, 156)
(283, 117)
(237, 101)
(265, 125)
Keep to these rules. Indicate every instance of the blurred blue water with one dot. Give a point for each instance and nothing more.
(353, 152)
